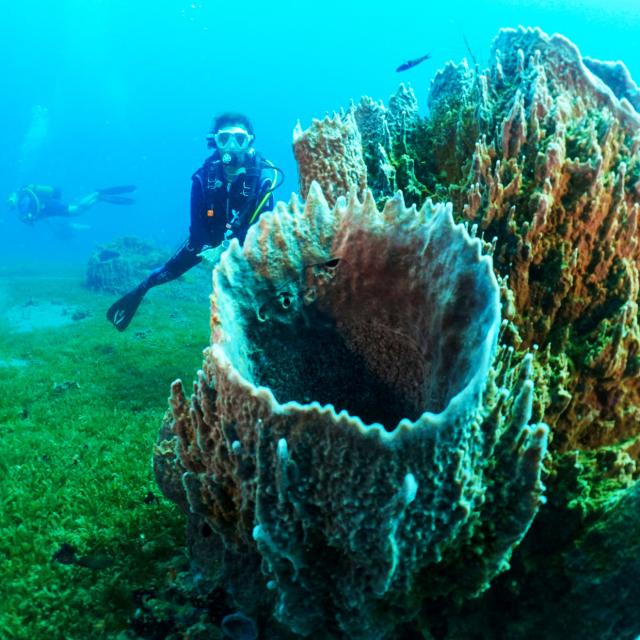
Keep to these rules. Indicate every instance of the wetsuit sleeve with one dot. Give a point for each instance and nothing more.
(197, 230)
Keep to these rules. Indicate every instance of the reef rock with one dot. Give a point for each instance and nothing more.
(358, 440)
(120, 265)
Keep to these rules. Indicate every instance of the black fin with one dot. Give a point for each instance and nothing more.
(110, 191)
(121, 312)
(115, 199)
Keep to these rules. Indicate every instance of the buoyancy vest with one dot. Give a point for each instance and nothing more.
(234, 201)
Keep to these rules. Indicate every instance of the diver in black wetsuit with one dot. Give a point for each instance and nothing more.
(35, 202)
(228, 193)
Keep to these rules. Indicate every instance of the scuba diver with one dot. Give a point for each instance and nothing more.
(228, 193)
(35, 202)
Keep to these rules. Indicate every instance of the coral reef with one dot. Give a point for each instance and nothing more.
(120, 265)
(355, 150)
(540, 155)
(554, 176)
(356, 432)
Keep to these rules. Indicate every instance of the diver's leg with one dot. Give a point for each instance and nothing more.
(82, 205)
(184, 259)
(121, 312)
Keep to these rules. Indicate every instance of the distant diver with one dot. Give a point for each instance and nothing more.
(228, 193)
(35, 202)
(412, 63)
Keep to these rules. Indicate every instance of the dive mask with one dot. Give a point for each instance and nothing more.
(232, 137)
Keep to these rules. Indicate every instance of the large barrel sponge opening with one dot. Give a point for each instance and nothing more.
(386, 326)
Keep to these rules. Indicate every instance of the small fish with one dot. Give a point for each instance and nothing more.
(65, 386)
(67, 554)
(412, 63)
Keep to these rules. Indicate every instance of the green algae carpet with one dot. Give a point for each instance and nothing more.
(83, 529)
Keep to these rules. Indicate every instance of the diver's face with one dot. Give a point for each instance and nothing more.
(233, 139)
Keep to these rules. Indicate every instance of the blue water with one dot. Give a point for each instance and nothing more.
(99, 92)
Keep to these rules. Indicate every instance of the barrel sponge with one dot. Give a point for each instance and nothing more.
(356, 426)
(330, 153)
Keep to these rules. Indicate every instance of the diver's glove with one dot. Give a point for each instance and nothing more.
(211, 256)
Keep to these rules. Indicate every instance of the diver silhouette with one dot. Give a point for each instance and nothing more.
(228, 193)
(34, 202)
